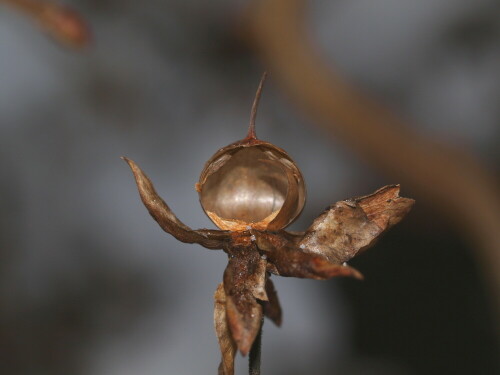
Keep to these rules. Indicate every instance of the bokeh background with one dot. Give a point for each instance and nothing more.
(89, 284)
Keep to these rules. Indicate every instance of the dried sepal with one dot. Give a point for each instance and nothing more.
(244, 278)
(385, 207)
(288, 260)
(159, 210)
(351, 226)
(272, 307)
(226, 342)
(292, 262)
(257, 280)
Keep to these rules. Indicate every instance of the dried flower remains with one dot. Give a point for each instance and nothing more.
(252, 190)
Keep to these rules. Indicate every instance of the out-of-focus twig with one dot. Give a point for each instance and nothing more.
(455, 183)
(61, 22)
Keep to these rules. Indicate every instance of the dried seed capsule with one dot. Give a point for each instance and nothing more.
(251, 183)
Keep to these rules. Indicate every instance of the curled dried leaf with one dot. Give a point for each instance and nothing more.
(159, 210)
(244, 278)
(350, 227)
(226, 342)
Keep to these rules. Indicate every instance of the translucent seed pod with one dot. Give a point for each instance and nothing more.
(251, 183)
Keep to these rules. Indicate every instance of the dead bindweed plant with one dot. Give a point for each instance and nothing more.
(252, 190)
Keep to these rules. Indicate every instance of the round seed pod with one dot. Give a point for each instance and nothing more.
(251, 184)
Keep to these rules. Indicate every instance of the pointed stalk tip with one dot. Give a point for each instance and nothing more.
(251, 129)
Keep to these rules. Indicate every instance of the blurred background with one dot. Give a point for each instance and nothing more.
(89, 284)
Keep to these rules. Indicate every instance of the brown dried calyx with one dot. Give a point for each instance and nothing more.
(251, 184)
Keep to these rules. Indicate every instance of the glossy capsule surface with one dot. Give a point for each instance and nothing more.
(254, 184)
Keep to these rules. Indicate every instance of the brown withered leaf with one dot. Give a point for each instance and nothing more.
(226, 342)
(288, 260)
(244, 279)
(350, 227)
(159, 210)
(272, 307)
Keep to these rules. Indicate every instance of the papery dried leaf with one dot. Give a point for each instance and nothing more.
(288, 260)
(272, 307)
(159, 210)
(226, 342)
(244, 278)
(349, 227)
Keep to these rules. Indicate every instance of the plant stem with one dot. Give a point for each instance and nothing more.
(254, 357)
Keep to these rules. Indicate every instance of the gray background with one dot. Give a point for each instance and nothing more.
(90, 285)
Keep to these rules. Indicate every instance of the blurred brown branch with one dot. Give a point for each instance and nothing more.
(456, 184)
(61, 22)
